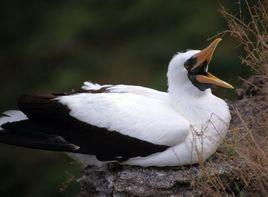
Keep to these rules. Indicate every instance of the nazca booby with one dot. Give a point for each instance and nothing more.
(132, 125)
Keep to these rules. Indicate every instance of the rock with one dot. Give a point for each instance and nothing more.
(136, 181)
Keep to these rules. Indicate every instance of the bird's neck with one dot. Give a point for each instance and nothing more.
(193, 104)
(188, 100)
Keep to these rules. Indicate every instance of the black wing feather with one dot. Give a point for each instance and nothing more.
(50, 118)
(28, 134)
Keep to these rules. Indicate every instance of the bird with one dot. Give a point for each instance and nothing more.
(128, 124)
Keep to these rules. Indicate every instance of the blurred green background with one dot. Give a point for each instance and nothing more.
(56, 45)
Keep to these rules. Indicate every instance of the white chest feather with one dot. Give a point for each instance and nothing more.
(209, 121)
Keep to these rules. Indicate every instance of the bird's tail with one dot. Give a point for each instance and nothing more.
(16, 129)
(11, 116)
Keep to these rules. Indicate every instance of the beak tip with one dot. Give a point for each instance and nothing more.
(227, 85)
(217, 40)
(230, 86)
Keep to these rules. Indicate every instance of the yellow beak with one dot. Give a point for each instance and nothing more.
(203, 58)
(211, 79)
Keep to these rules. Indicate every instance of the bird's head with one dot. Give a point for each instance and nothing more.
(191, 70)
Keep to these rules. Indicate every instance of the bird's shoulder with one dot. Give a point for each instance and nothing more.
(131, 89)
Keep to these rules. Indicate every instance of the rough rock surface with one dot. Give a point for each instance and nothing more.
(118, 180)
(136, 181)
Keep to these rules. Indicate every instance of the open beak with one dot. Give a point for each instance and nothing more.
(203, 59)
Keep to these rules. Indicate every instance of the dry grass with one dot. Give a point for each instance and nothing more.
(246, 147)
(250, 28)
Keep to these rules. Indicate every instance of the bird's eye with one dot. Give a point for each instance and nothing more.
(190, 63)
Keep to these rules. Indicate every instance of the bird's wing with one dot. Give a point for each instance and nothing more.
(137, 116)
(112, 126)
